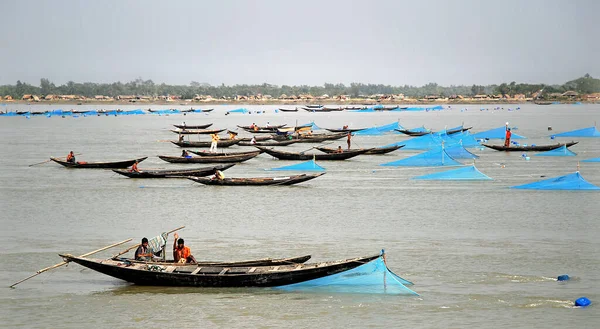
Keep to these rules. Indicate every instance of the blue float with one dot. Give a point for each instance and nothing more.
(583, 302)
(563, 277)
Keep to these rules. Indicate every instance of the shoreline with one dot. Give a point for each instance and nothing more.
(292, 103)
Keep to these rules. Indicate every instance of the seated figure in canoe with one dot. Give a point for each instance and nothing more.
(134, 167)
(143, 253)
(185, 154)
(182, 253)
(71, 157)
(218, 175)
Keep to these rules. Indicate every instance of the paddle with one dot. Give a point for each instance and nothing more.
(63, 263)
(35, 164)
(137, 245)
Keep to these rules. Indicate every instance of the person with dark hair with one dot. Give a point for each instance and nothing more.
(507, 137)
(71, 157)
(142, 252)
(181, 252)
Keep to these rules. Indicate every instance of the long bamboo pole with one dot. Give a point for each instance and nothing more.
(63, 263)
(137, 245)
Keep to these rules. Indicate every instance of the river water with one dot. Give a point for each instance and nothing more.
(480, 254)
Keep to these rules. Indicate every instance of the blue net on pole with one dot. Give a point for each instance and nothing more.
(591, 160)
(433, 158)
(373, 277)
(465, 173)
(585, 132)
(562, 151)
(497, 133)
(309, 165)
(572, 181)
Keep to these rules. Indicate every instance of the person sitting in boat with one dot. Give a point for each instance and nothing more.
(71, 157)
(345, 127)
(134, 167)
(143, 253)
(180, 138)
(218, 175)
(185, 154)
(268, 124)
(232, 134)
(253, 140)
(182, 253)
(339, 149)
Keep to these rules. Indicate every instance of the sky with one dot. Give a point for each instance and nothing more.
(391, 42)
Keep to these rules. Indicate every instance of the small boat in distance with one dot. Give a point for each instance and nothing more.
(531, 148)
(210, 159)
(220, 143)
(105, 165)
(255, 181)
(204, 126)
(173, 173)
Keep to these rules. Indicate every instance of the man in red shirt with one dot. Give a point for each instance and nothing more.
(182, 253)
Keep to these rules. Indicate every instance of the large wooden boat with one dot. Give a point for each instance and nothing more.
(216, 154)
(256, 181)
(531, 148)
(210, 159)
(253, 262)
(376, 150)
(107, 165)
(220, 143)
(342, 130)
(193, 127)
(270, 143)
(256, 138)
(173, 173)
(218, 276)
(313, 138)
(281, 155)
(188, 131)
(323, 109)
(288, 110)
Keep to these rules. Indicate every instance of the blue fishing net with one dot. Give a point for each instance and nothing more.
(371, 278)
(497, 133)
(433, 158)
(562, 151)
(466, 173)
(585, 132)
(309, 165)
(572, 181)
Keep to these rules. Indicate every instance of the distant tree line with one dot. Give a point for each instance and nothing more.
(140, 87)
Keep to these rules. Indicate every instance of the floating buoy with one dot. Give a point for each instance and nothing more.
(552, 137)
(563, 277)
(583, 302)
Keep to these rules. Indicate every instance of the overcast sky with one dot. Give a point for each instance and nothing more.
(394, 42)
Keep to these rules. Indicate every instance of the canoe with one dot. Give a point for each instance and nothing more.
(253, 262)
(322, 109)
(421, 133)
(210, 159)
(173, 173)
(256, 181)
(376, 150)
(270, 143)
(216, 154)
(531, 148)
(197, 131)
(256, 138)
(387, 108)
(281, 155)
(271, 127)
(218, 276)
(109, 165)
(315, 138)
(342, 130)
(288, 110)
(220, 143)
(193, 127)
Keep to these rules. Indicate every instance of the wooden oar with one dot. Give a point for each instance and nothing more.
(63, 263)
(139, 244)
(35, 164)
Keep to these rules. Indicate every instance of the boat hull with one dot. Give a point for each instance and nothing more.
(173, 173)
(98, 165)
(262, 181)
(536, 148)
(281, 155)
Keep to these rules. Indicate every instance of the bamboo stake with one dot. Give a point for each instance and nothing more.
(139, 244)
(63, 263)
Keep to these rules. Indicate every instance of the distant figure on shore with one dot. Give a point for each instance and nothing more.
(71, 157)
(213, 145)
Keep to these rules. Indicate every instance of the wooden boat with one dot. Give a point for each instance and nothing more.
(255, 181)
(263, 127)
(413, 133)
(387, 108)
(197, 132)
(194, 127)
(531, 148)
(256, 138)
(281, 155)
(218, 276)
(322, 109)
(210, 159)
(270, 143)
(204, 153)
(173, 173)
(315, 138)
(220, 143)
(342, 130)
(109, 165)
(376, 150)
(288, 110)
(253, 262)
